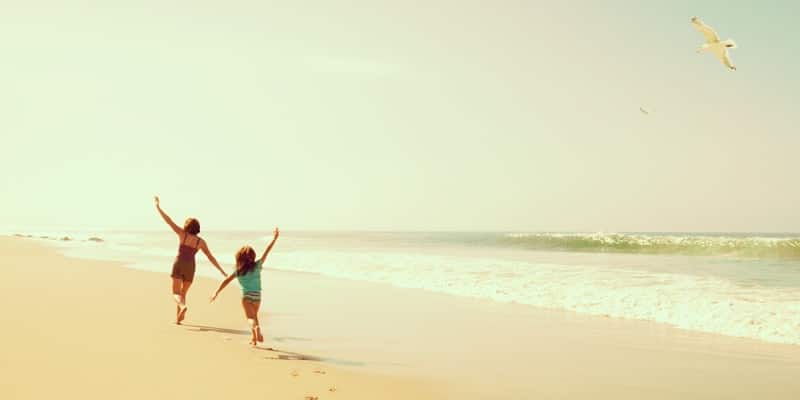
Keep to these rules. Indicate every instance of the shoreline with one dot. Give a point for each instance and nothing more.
(470, 348)
(61, 247)
(682, 299)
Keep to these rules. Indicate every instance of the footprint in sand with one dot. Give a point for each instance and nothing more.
(319, 371)
(312, 398)
(332, 389)
(295, 373)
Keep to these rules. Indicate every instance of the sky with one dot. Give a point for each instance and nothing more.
(365, 115)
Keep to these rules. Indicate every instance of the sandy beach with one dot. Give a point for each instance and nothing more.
(462, 200)
(92, 329)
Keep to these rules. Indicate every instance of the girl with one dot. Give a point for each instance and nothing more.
(248, 273)
(184, 265)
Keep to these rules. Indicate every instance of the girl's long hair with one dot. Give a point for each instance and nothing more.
(245, 260)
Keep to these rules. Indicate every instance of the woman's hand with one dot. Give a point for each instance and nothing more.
(213, 297)
(276, 233)
(158, 202)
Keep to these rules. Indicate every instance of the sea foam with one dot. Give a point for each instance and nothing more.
(701, 303)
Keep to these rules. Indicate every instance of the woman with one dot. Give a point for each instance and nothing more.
(248, 273)
(184, 266)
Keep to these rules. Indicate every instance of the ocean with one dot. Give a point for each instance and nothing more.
(744, 285)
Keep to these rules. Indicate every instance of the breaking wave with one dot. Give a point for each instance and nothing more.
(706, 244)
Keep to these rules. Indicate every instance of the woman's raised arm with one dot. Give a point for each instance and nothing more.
(177, 229)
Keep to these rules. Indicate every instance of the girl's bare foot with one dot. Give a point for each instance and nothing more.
(254, 336)
(259, 336)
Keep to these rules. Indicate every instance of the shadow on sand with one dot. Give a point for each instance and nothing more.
(290, 355)
(276, 354)
(205, 328)
(282, 339)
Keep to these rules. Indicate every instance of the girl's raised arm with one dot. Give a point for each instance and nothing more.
(167, 219)
(276, 233)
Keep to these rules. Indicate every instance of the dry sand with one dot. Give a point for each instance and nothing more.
(86, 329)
(79, 329)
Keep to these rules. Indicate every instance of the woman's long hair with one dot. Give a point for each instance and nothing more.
(192, 226)
(245, 260)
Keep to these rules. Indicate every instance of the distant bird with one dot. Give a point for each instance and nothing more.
(713, 44)
(645, 112)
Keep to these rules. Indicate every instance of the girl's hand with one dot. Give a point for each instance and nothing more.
(158, 202)
(213, 297)
(276, 233)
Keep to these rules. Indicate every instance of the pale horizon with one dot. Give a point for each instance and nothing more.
(521, 117)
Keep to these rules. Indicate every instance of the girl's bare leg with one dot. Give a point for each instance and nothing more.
(251, 312)
(259, 336)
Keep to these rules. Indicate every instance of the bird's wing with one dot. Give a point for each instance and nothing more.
(707, 31)
(726, 59)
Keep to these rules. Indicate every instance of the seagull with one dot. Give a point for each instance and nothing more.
(713, 44)
(645, 112)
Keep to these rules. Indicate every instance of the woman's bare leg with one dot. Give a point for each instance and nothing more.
(176, 295)
(182, 306)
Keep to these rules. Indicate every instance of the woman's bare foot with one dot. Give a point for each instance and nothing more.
(259, 336)
(181, 314)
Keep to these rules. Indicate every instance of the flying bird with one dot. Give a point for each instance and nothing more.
(713, 44)
(645, 112)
